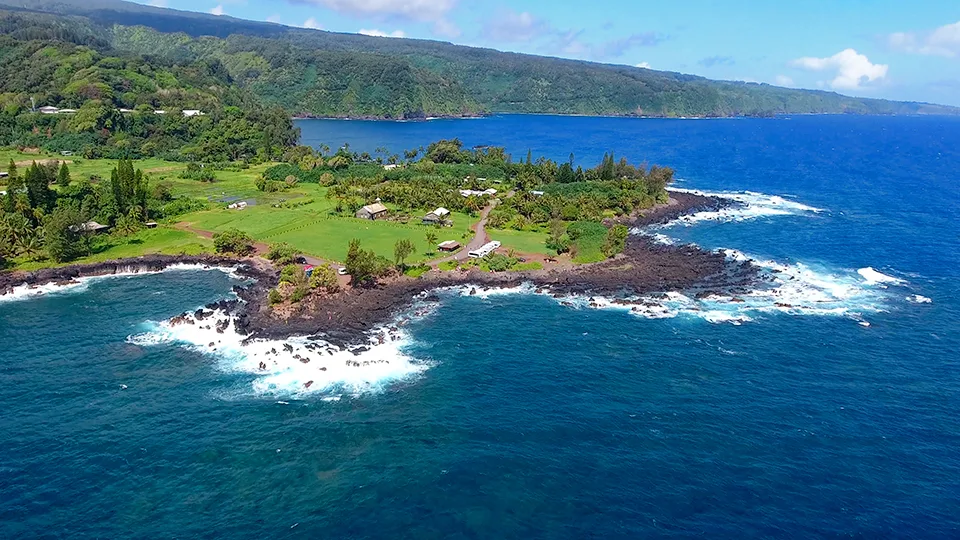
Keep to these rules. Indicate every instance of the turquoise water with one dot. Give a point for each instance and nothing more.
(510, 415)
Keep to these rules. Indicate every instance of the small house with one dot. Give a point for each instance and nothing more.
(67, 111)
(437, 217)
(449, 246)
(372, 211)
(192, 112)
(537, 193)
(90, 227)
(4, 175)
(390, 166)
(151, 224)
(48, 110)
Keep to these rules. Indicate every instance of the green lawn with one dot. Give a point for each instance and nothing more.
(329, 238)
(163, 240)
(522, 241)
(84, 168)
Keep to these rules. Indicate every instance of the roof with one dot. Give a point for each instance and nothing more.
(376, 208)
(90, 226)
(440, 212)
(449, 244)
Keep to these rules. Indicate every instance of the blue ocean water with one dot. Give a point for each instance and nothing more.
(520, 417)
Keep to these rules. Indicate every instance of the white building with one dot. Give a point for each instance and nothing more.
(48, 110)
(192, 112)
(484, 250)
(476, 193)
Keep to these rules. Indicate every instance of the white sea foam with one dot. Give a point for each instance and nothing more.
(793, 289)
(295, 367)
(872, 277)
(918, 299)
(752, 206)
(25, 292)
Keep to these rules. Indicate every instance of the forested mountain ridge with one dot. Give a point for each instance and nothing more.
(65, 97)
(322, 73)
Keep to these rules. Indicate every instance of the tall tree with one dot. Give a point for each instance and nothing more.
(62, 234)
(401, 250)
(63, 175)
(39, 195)
(14, 185)
(360, 264)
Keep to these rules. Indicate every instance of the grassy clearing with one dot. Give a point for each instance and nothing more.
(84, 168)
(162, 240)
(522, 241)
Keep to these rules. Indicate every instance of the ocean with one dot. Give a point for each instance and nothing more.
(823, 405)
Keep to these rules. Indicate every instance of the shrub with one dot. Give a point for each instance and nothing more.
(293, 274)
(324, 277)
(298, 294)
(283, 254)
(275, 297)
(233, 241)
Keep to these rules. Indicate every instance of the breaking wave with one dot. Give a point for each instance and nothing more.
(292, 368)
(26, 292)
(793, 289)
(751, 205)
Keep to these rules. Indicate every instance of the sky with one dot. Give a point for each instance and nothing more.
(871, 48)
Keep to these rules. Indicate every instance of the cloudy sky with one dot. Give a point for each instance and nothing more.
(873, 48)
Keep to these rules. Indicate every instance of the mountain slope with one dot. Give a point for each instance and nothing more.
(332, 74)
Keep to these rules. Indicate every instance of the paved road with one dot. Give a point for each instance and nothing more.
(480, 236)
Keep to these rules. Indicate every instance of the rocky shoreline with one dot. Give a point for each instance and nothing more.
(347, 318)
(645, 267)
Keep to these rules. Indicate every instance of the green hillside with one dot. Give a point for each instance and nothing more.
(124, 105)
(330, 74)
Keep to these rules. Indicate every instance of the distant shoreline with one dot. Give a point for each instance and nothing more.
(372, 118)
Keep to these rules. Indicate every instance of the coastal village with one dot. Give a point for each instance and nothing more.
(330, 220)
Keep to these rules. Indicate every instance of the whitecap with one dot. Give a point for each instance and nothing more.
(919, 299)
(794, 289)
(872, 277)
(294, 367)
(752, 205)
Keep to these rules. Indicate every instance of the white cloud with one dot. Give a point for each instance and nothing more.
(644, 65)
(218, 10)
(429, 11)
(312, 24)
(943, 41)
(852, 69)
(508, 25)
(783, 80)
(381, 33)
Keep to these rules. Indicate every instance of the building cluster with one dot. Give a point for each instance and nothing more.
(54, 110)
(477, 193)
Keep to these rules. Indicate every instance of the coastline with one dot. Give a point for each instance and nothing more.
(347, 318)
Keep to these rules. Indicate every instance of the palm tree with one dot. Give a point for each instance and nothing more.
(431, 239)
(31, 247)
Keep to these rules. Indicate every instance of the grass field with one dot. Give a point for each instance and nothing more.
(309, 228)
(162, 240)
(84, 168)
(522, 241)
